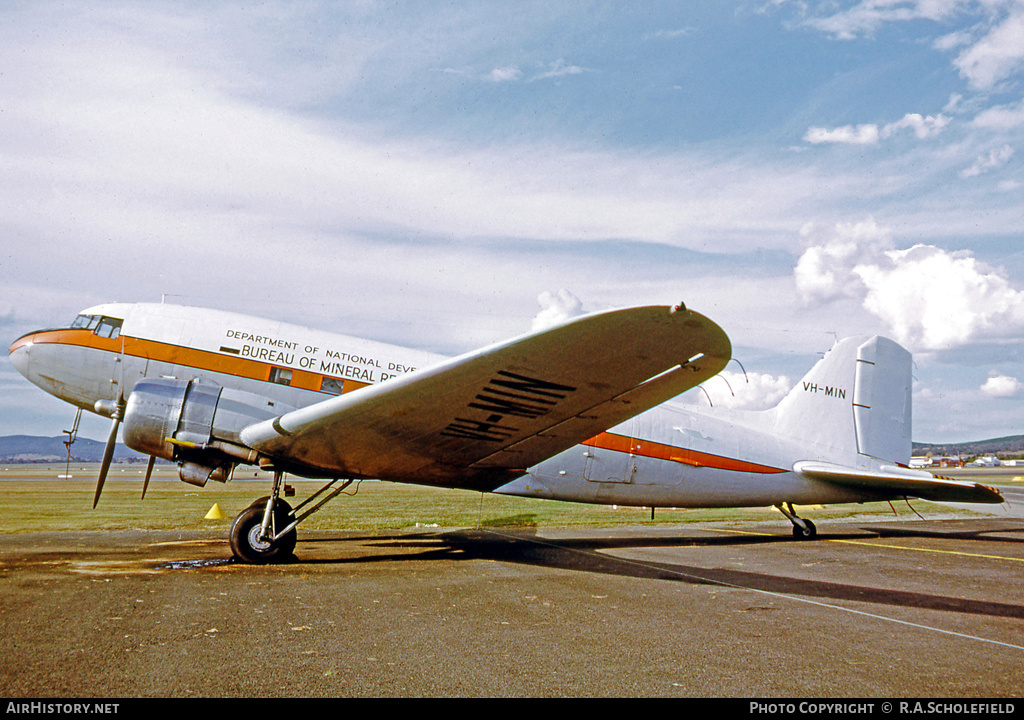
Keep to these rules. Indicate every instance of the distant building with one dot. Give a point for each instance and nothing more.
(924, 461)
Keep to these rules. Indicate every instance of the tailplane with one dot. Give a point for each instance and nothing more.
(855, 399)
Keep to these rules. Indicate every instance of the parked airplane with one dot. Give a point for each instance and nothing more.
(581, 412)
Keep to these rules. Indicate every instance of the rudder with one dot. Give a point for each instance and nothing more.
(882, 401)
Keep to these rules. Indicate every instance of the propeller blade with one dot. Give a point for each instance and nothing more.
(108, 455)
(149, 471)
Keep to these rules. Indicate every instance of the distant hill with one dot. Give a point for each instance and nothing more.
(1010, 445)
(32, 448)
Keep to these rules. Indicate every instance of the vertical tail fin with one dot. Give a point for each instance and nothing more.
(855, 399)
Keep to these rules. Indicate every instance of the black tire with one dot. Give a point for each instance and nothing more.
(245, 543)
(805, 533)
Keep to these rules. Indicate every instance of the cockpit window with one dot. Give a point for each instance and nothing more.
(101, 325)
(109, 327)
(87, 322)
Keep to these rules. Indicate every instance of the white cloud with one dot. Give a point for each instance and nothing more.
(513, 73)
(670, 34)
(923, 127)
(933, 299)
(556, 308)
(867, 16)
(847, 135)
(998, 55)
(1001, 117)
(953, 40)
(1001, 386)
(137, 147)
(559, 68)
(824, 271)
(746, 391)
(869, 134)
(507, 73)
(929, 298)
(984, 163)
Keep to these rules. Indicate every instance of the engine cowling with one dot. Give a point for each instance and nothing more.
(195, 423)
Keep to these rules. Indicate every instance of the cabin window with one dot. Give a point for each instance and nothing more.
(332, 386)
(109, 327)
(281, 376)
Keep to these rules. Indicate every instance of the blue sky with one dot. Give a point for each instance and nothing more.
(440, 174)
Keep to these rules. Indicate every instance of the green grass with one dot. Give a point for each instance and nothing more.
(34, 499)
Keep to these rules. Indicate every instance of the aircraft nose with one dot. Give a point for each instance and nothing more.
(19, 353)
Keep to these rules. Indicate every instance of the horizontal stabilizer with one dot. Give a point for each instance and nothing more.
(901, 482)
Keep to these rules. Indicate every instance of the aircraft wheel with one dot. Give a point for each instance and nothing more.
(805, 533)
(246, 544)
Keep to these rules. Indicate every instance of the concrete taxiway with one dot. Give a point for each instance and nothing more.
(924, 608)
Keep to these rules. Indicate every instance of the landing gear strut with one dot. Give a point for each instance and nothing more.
(265, 531)
(802, 529)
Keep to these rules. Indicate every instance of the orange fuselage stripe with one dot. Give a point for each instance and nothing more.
(178, 355)
(661, 451)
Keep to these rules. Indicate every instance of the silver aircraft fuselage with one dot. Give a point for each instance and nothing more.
(673, 455)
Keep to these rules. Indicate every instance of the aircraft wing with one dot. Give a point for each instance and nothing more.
(480, 419)
(900, 482)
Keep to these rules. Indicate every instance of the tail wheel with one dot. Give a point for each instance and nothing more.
(246, 543)
(807, 532)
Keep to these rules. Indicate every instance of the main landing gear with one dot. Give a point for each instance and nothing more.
(250, 543)
(802, 529)
(265, 531)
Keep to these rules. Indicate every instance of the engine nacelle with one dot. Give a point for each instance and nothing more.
(195, 423)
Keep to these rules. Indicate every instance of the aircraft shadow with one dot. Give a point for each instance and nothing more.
(585, 555)
(991, 534)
